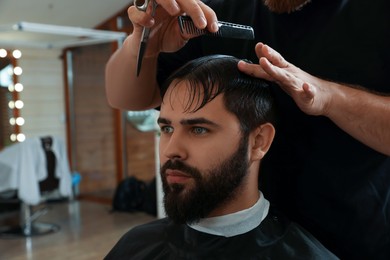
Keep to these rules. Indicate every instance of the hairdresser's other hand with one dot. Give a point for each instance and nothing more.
(165, 35)
(308, 92)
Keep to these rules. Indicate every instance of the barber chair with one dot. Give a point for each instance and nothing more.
(28, 225)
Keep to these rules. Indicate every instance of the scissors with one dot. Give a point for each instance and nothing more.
(142, 5)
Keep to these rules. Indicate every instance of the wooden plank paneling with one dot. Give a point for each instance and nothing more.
(140, 153)
(94, 124)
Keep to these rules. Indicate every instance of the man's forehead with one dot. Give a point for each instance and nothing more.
(189, 96)
(183, 95)
(175, 110)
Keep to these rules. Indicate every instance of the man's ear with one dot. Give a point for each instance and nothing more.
(260, 140)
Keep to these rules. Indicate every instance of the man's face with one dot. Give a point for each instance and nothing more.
(203, 156)
(285, 6)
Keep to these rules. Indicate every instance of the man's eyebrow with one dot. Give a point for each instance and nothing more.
(162, 120)
(198, 121)
(191, 121)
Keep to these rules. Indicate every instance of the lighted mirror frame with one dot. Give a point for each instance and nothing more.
(15, 105)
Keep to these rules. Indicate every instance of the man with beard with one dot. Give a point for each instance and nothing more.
(216, 125)
(329, 166)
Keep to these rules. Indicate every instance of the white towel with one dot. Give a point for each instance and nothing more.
(24, 166)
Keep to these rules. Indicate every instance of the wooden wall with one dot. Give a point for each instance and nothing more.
(93, 138)
(98, 143)
(102, 137)
(140, 153)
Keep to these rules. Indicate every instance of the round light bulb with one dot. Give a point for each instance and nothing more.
(18, 71)
(3, 53)
(12, 121)
(20, 121)
(11, 104)
(11, 87)
(20, 137)
(19, 87)
(13, 137)
(19, 104)
(17, 54)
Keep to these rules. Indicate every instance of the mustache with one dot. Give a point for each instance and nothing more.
(180, 166)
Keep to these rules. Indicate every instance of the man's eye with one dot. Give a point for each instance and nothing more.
(166, 129)
(199, 130)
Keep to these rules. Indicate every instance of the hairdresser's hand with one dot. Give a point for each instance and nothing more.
(360, 113)
(311, 94)
(165, 35)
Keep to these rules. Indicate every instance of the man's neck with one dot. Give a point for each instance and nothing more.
(236, 223)
(246, 199)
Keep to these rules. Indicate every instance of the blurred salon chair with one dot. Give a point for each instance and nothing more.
(46, 180)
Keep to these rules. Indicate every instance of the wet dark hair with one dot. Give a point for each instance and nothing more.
(249, 99)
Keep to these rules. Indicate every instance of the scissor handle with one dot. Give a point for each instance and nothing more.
(141, 5)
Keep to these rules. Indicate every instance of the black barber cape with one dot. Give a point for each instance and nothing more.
(275, 238)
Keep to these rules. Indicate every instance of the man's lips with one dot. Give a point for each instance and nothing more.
(176, 176)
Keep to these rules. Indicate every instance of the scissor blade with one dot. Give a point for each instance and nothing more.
(141, 52)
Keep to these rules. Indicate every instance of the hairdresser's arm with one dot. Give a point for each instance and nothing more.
(124, 89)
(360, 113)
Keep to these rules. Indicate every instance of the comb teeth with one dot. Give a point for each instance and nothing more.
(187, 26)
(228, 30)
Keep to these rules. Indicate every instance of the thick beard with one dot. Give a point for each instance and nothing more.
(285, 6)
(210, 190)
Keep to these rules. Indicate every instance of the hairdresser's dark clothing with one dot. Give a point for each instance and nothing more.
(274, 238)
(330, 183)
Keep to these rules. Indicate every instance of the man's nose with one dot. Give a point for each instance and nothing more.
(174, 147)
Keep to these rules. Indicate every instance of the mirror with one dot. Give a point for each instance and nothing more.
(10, 104)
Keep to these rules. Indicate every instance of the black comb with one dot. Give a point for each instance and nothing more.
(227, 30)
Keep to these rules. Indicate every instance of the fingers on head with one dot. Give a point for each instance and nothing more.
(274, 57)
